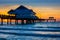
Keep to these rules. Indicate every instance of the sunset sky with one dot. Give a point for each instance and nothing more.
(43, 8)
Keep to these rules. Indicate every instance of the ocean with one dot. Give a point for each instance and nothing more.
(36, 31)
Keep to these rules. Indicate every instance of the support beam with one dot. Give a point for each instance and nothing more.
(10, 21)
(26, 21)
(16, 22)
(33, 21)
(7, 21)
(22, 21)
(1, 21)
(51, 20)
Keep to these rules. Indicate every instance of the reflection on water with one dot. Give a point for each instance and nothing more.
(37, 31)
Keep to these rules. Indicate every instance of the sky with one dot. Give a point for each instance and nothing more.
(43, 8)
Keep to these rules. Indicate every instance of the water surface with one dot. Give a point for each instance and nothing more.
(37, 31)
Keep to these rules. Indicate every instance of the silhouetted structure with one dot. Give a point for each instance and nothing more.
(22, 13)
(25, 16)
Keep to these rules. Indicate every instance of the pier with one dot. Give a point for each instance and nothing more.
(24, 15)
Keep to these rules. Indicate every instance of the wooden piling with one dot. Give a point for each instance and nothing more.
(1, 21)
(22, 21)
(33, 21)
(55, 20)
(7, 21)
(10, 21)
(16, 22)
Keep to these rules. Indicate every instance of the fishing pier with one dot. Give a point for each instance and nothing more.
(23, 15)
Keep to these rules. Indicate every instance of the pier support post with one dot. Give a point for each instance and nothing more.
(16, 22)
(1, 21)
(26, 21)
(47, 20)
(10, 21)
(33, 21)
(22, 21)
(7, 21)
(29, 21)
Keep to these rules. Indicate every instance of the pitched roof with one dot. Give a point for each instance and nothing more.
(21, 7)
(23, 12)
